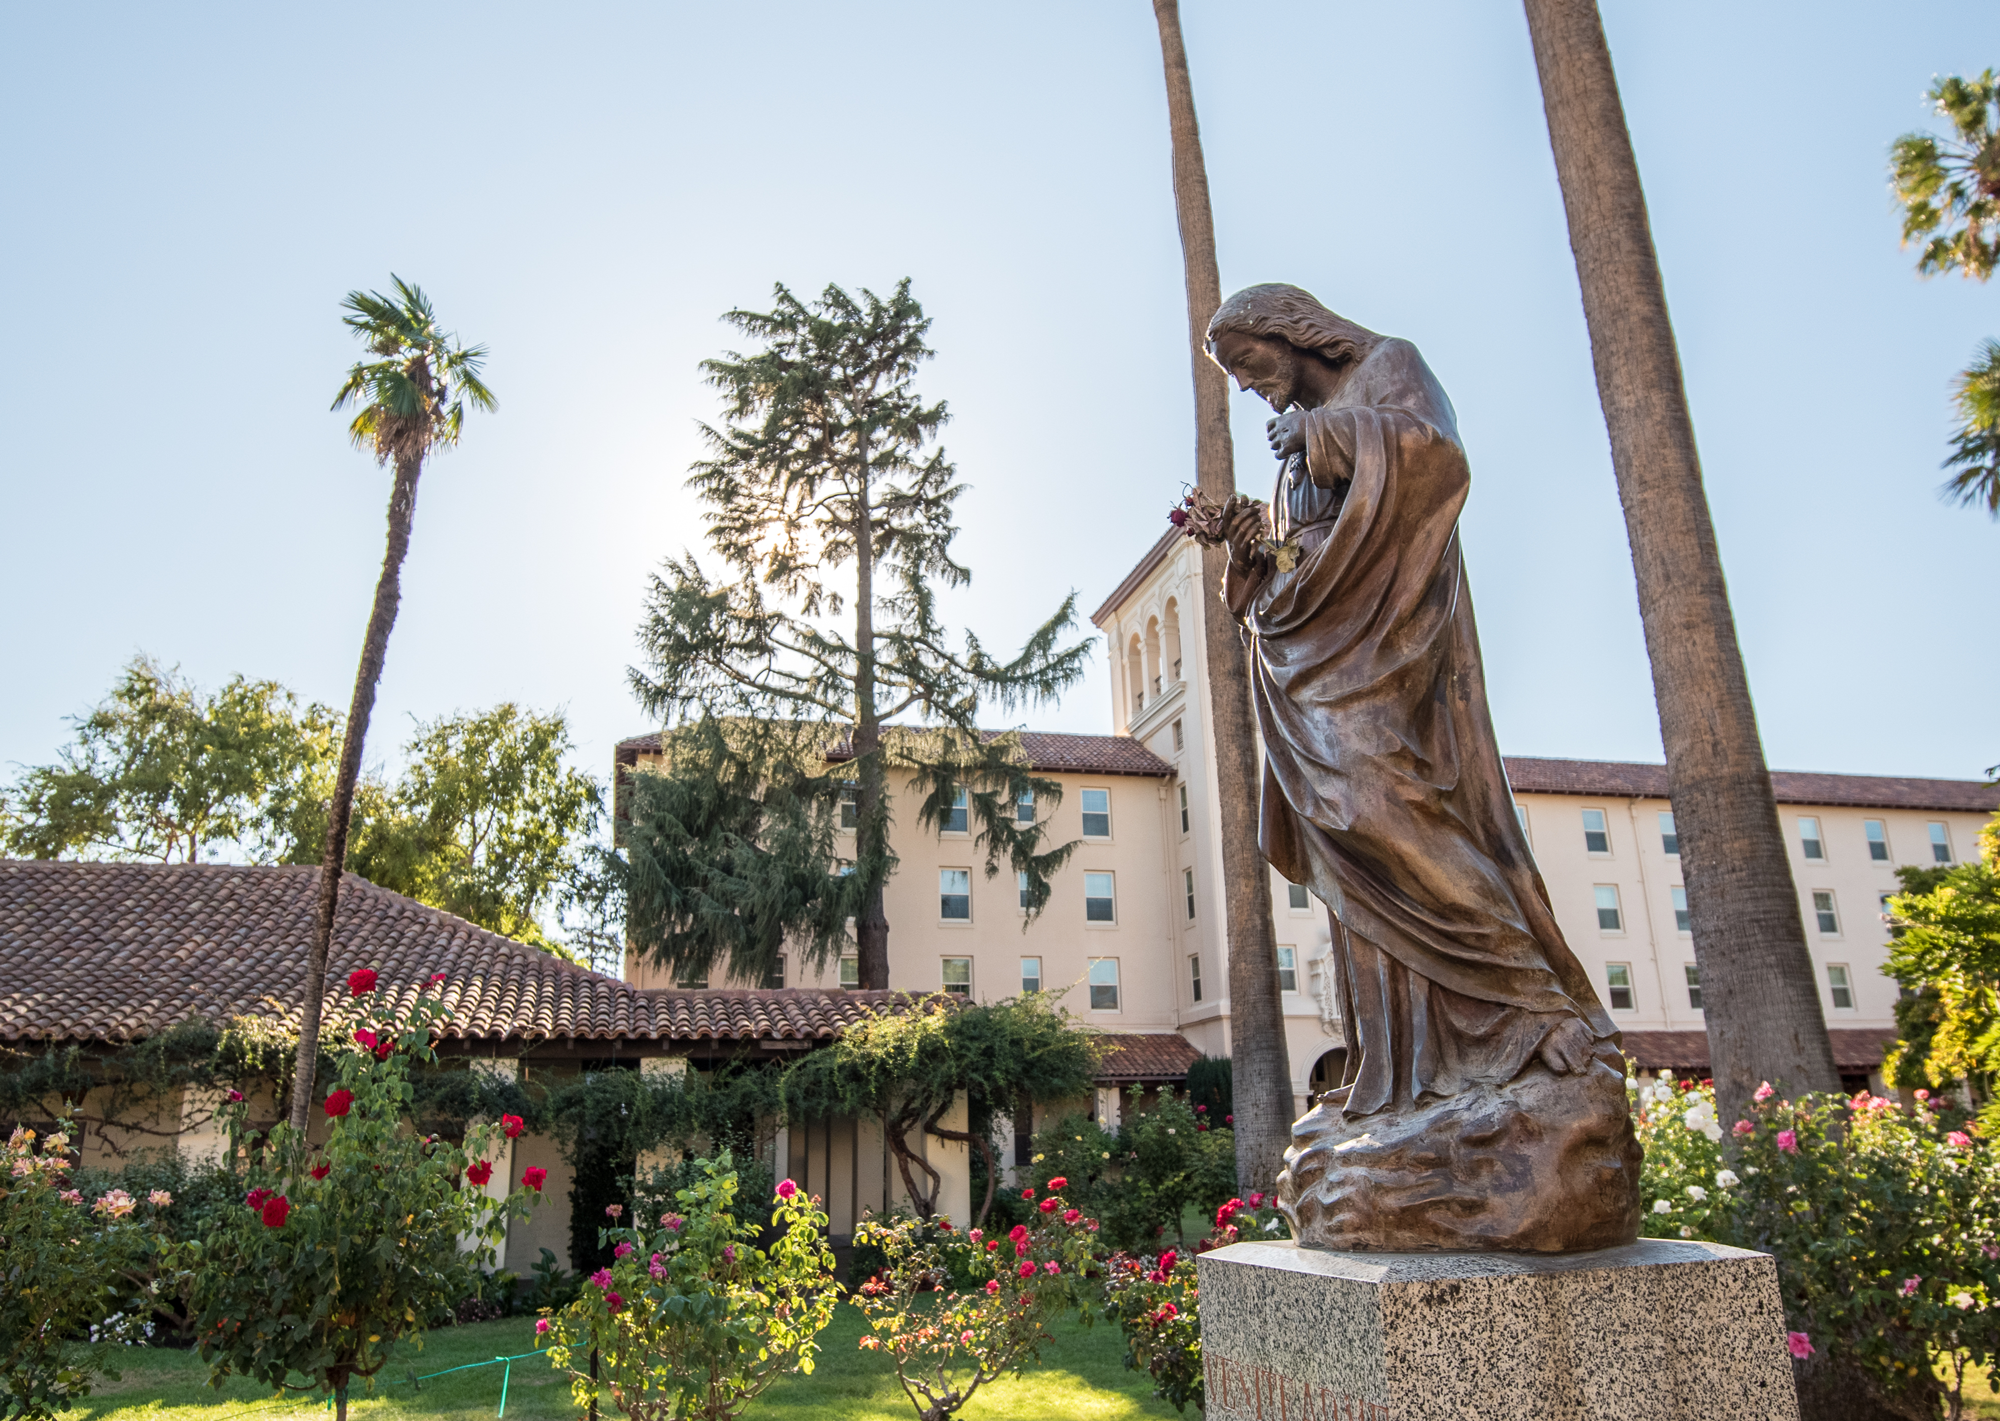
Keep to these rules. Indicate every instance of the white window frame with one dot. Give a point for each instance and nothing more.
(949, 987)
(1821, 914)
(1678, 900)
(1186, 818)
(1604, 820)
(1939, 832)
(1187, 886)
(850, 807)
(965, 921)
(1834, 988)
(1669, 831)
(1089, 898)
(1092, 985)
(961, 804)
(1812, 847)
(1024, 801)
(1194, 974)
(1287, 952)
(1691, 974)
(1038, 978)
(1613, 985)
(849, 973)
(1616, 908)
(1110, 826)
(1878, 840)
(1293, 893)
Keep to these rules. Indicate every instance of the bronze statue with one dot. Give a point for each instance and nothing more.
(1483, 1102)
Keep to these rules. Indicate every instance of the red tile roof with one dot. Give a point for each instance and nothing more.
(1047, 751)
(117, 952)
(1854, 1051)
(1624, 779)
(1147, 1056)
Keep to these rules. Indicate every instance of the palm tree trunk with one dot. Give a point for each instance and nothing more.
(1261, 1066)
(1757, 983)
(374, 650)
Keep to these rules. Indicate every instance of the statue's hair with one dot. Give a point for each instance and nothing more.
(1293, 315)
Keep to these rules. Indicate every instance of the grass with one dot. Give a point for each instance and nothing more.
(1081, 1377)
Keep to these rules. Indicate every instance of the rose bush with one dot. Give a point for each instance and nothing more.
(336, 1254)
(1167, 1157)
(956, 1309)
(63, 1261)
(691, 1319)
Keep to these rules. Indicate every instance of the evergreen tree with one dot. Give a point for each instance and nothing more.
(781, 684)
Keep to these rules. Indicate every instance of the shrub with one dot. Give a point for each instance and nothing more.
(1885, 1225)
(657, 1191)
(62, 1262)
(335, 1255)
(691, 1319)
(957, 1309)
(1141, 1181)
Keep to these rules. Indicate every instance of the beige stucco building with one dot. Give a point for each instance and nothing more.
(1134, 932)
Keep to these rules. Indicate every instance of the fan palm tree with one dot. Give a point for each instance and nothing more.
(1261, 1067)
(411, 399)
(1757, 984)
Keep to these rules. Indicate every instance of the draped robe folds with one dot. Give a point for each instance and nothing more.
(1383, 788)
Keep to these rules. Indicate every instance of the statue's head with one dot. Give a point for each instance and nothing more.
(1262, 334)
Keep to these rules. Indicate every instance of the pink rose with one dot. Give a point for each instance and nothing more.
(1742, 1128)
(786, 1189)
(621, 1250)
(1959, 1140)
(1788, 1141)
(1020, 1250)
(541, 1326)
(1910, 1285)
(965, 1338)
(1801, 1345)
(1052, 1267)
(992, 1287)
(1762, 1093)
(612, 1211)
(601, 1278)
(1256, 1201)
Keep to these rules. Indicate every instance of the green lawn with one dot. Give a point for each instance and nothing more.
(1082, 1377)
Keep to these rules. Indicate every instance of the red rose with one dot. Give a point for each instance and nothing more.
(1049, 1205)
(235, 1097)
(1059, 1183)
(321, 1171)
(365, 1037)
(1168, 1260)
(361, 981)
(533, 1177)
(1018, 1233)
(479, 1174)
(614, 1301)
(1229, 1119)
(1029, 1192)
(991, 1244)
(436, 977)
(1070, 1216)
(256, 1197)
(1027, 1270)
(275, 1211)
(512, 1126)
(1200, 1125)
(385, 1050)
(339, 1103)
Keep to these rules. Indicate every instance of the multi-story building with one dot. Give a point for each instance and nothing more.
(1134, 927)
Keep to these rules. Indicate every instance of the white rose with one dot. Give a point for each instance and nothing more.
(1961, 1301)
(1727, 1179)
(1662, 1206)
(1697, 1193)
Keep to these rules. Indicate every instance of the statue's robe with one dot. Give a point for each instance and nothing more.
(1383, 788)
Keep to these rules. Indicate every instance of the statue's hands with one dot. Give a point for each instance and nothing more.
(1245, 527)
(1287, 433)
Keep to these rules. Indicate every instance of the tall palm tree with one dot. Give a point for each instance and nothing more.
(1260, 1065)
(1757, 983)
(411, 401)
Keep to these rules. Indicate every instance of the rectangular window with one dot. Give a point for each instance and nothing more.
(776, 976)
(850, 973)
(955, 818)
(1288, 969)
(1100, 899)
(1097, 814)
(1841, 989)
(1024, 808)
(1187, 885)
(1021, 883)
(1682, 923)
(1670, 839)
(955, 894)
(1031, 974)
(1194, 973)
(1609, 919)
(693, 984)
(1596, 835)
(1940, 842)
(1298, 898)
(957, 976)
(850, 807)
(1618, 977)
(1104, 984)
(1694, 985)
(1180, 739)
(1810, 842)
(1184, 809)
(1878, 839)
(1521, 813)
(1829, 921)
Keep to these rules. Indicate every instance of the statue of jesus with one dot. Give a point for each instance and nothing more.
(1483, 1103)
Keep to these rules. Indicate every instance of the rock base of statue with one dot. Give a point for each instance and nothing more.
(1544, 1164)
(1655, 1329)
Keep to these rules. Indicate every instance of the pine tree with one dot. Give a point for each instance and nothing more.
(782, 685)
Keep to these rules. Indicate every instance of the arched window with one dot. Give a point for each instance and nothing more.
(1170, 641)
(1154, 685)
(1135, 670)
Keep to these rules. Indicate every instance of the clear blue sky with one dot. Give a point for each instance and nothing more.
(190, 191)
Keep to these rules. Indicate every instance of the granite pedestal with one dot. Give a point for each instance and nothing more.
(1656, 1330)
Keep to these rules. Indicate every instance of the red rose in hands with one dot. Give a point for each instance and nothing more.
(275, 1211)
(512, 1126)
(533, 1176)
(361, 981)
(479, 1173)
(339, 1103)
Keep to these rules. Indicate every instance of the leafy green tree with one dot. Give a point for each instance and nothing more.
(411, 400)
(485, 821)
(161, 771)
(832, 512)
(1949, 189)
(1945, 952)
